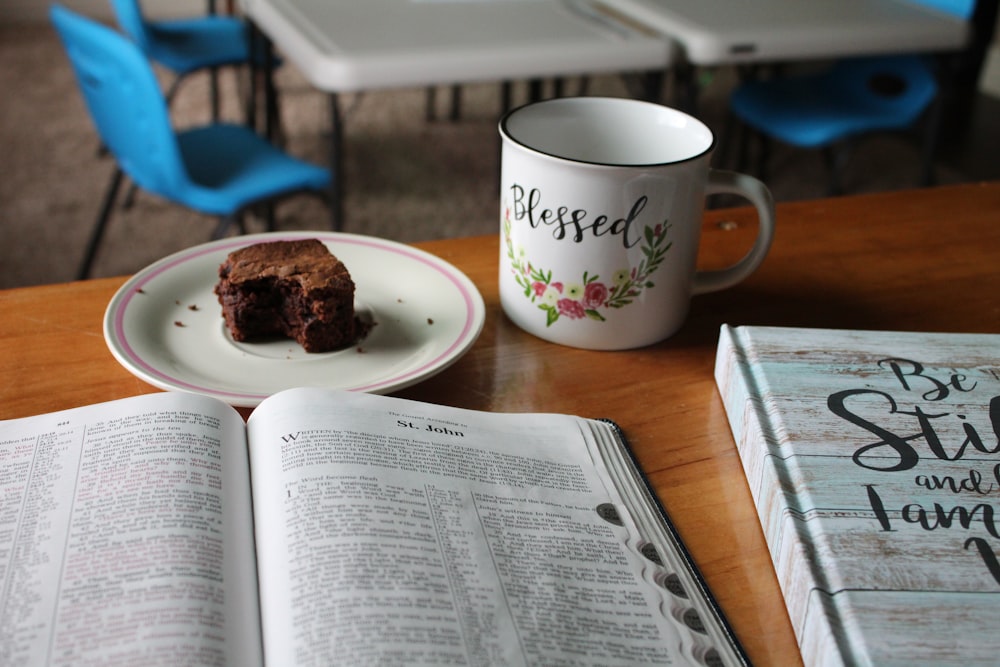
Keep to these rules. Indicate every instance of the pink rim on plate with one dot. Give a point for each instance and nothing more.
(137, 334)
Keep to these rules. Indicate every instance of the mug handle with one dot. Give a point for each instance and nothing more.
(730, 182)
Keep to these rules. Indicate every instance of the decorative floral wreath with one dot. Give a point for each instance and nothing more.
(586, 298)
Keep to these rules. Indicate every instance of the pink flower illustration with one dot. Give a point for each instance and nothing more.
(571, 309)
(588, 297)
(595, 295)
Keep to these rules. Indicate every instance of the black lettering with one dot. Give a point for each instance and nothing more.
(931, 436)
(444, 430)
(626, 228)
(942, 518)
(520, 210)
(905, 368)
(973, 483)
(569, 223)
(995, 416)
(903, 456)
(972, 435)
(987, 554)
(876, 502)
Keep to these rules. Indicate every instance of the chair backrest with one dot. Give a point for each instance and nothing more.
(962, 9)
(125, 102)
(130, 19)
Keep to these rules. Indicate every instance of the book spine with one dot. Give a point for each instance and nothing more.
(754, 430)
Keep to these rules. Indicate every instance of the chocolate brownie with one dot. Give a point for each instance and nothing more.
(295, 289)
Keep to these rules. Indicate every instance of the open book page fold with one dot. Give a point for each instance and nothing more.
(503, 538)
(126, 536)
(338, 528)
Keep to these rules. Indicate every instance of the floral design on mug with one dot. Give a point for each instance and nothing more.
(586, 298)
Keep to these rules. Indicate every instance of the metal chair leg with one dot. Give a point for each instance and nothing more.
(932, 133)
(269, 217)
(743, 146)
(213, 92)
(172, 90)
(763, 155)
(731, 128)
(129, 200)
(836, 161)
(102, 220)
(225, 222)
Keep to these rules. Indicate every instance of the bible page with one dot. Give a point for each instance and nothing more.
(391, 531)
(127, 536)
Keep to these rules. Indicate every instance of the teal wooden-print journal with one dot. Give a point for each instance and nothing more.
(873, 459)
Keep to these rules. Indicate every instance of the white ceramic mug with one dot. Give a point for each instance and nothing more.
(601, 201)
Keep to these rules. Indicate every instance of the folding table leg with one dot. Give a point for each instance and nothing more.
(687, 93)
(456, 103)
(506, 97)
(430, 108)
(336, 164)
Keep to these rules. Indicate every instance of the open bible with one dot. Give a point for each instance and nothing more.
(338, 528)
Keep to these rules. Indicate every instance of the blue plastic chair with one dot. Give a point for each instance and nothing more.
(218, 169)
(189, 45)
(827, 109)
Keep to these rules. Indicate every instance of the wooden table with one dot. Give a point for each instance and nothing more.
(921, 260)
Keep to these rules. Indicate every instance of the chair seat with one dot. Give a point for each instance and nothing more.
(187, 45)
(852, 97)
(231, 167)
(219, 169)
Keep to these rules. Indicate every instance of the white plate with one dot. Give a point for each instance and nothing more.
(165, 324)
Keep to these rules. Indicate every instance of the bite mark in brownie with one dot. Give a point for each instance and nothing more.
(294, 289)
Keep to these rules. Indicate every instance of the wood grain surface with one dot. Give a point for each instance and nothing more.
(922, 260)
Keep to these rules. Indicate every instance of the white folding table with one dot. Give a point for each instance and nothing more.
(726, 32)
(353, 45)
(733, 32)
